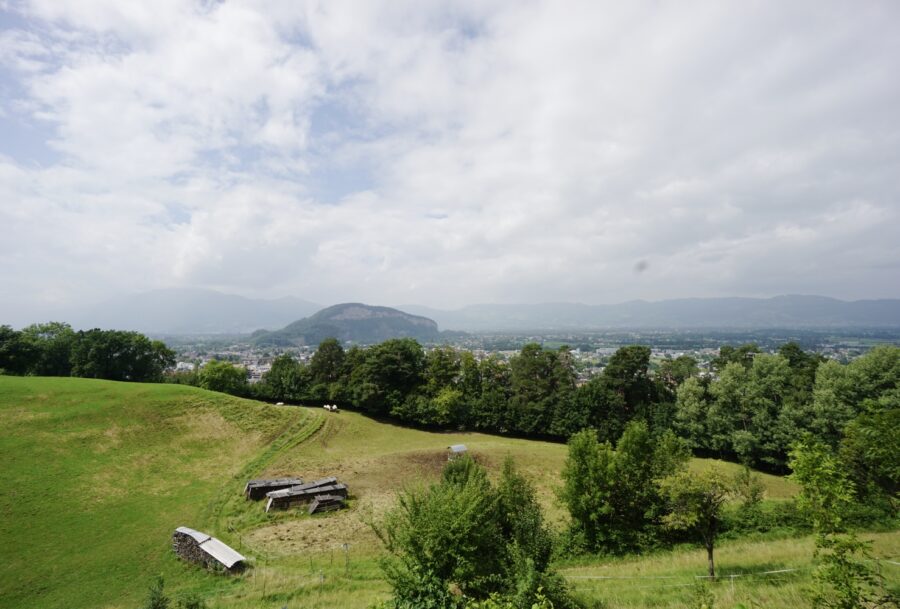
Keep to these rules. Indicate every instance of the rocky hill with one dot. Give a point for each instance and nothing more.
(354, 322)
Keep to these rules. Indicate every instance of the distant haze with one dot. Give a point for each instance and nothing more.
(187, 311)
(208, 312)
(446, 154)
(695, 313)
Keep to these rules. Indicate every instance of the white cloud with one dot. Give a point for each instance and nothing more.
(498, 151)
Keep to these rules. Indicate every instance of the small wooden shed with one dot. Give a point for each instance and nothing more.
(296, 496)
(206, 550)
(326, 503)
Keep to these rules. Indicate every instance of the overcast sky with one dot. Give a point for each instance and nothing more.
(448, 153)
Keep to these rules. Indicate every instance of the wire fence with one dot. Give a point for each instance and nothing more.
(782, 575)
(688, 581)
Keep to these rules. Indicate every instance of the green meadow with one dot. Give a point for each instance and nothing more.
(96, 475)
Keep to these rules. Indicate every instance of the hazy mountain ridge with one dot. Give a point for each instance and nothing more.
(198, 311)
(780, 311)
(354, 322)
(190, 311)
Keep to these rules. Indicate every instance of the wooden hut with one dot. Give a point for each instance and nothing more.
(206, 550)
(295, 496)
(257, 489)
(320, 482)
(326, 503)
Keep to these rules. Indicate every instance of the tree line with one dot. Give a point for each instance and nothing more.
(750, 408)
(54, 349)
(534, 393)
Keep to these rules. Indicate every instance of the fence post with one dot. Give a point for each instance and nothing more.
(346, 547)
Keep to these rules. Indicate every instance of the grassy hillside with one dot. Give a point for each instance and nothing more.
(97, 475)
(377, 459)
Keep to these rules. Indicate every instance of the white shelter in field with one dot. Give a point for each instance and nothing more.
(206, 550)
(456, 450)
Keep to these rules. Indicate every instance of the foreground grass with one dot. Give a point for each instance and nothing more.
(773, 573)
(97, 475)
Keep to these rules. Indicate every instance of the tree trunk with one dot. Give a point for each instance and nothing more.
(709, 556)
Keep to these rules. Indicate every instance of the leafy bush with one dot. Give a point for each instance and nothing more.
(156, 597)
(765, 517)
(463, 542)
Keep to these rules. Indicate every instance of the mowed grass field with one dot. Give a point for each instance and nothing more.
(97, 474)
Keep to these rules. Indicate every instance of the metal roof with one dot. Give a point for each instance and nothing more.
(197, 535)
(215, 548)
(458, 448)
(224, 554)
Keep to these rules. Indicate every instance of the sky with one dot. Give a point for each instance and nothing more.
(448, 153)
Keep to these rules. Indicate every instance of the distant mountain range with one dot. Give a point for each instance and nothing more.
(197, 311)
(190, 311)
(354, 322)
(777, 312)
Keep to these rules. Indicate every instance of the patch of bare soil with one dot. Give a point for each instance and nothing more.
(373, 484)
(315, 534)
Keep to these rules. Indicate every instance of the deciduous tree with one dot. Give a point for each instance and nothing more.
(287, 379)
(611, 494)
(847, 576)
(695, 502)
(223, 376)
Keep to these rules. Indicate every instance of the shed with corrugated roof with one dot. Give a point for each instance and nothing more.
(206, 550)
(456, 450)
